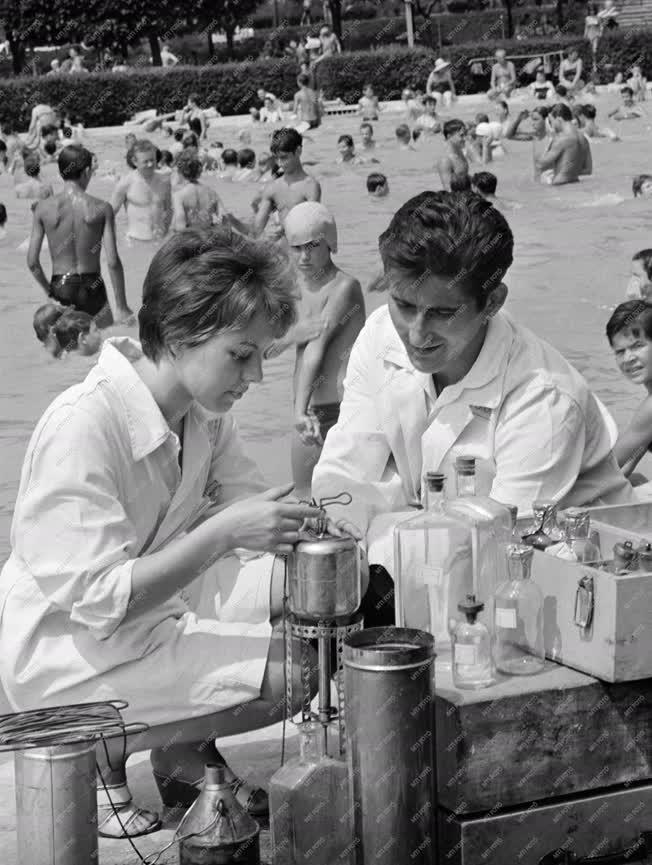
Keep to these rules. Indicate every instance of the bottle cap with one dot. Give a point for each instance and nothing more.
(435, 481)
(471, 606)
(625, 550)
(465, 465)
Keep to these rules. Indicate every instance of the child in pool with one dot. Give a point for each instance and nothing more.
(63, 329)
(590, 128)
(333, 314)
(403, 137)
(642, 186)
(639, 286)
(626, 111)
(368, 105)
(377, 185)
(367, 137)
(428, 121)
(638, 84)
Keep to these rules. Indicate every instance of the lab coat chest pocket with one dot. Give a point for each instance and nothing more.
(476, 440)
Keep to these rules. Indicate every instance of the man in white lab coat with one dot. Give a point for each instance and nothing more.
(441, 372)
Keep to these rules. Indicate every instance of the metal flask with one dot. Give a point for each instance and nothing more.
(216, 830)
(324, 577)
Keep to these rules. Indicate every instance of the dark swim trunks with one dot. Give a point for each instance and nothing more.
(327, 413)
(85, 291)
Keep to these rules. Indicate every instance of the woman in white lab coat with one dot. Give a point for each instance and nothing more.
(129, 576)
(441, 372)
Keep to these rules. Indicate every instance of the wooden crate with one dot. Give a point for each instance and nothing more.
(617, 647)
(530, 738)
(587, 826)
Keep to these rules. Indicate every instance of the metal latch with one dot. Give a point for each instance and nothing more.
(584, 602)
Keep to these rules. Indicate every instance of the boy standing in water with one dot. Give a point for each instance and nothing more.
(76, 225)
(293, 187)
(336, 299)
(454, 163)
(306, 103)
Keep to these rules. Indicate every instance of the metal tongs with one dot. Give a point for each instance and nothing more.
(320, 523)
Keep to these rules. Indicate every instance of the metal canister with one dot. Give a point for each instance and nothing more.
(324, 577)
(625, 557)
(389, 696)
(56, 805)
(645, 557)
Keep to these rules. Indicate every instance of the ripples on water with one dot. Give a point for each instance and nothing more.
(572, 253)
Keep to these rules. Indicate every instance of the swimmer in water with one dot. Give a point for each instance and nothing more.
(76, 225)
(639, 286)
(503, 76)
(229, 164)
(33, 187)
(367, 137)
(246, 167)
(404, 137)
(64, 330)
(333, 298)
(307, 106)
(146, 195)
(454, 164)
(509, 125)
(293, 187)
(377, 185)
(569, 153)
(368, 105)
(542, 138)
(629, 331)
(428, 121)
(194, 205)
(626, 111)
(642, 186)
(589, 126)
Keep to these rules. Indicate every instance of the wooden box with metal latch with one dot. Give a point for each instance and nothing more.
(595, 620)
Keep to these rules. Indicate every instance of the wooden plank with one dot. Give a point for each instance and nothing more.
(588, 826)
(537, 737)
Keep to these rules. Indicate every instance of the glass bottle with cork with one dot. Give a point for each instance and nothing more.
(580, 543)
(473, 665)
(518, 615)
(490, 524)
(432, 566)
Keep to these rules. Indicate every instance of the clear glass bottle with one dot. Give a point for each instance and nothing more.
(544, 530)
(473, 665)
(311, 815)
(518, 613)
(491, 528)
(580, 544)
(432, 566)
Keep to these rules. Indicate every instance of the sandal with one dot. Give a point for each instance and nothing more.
(116, 813)
(181, 794)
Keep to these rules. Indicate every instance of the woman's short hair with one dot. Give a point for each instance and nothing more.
(203, 282)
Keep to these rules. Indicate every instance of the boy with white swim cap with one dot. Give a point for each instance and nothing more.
(332, 313)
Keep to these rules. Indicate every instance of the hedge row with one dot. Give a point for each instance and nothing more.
(108, 99)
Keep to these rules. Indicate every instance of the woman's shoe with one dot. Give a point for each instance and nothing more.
(181, 794)
(118, 817)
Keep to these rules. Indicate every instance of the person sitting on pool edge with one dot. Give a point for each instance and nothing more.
(629, 331)
(441, 371)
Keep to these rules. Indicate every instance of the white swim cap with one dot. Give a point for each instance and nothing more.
(310, 221)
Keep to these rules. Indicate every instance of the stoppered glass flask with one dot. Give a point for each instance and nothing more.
(490, 524)
(432, 566)
(518, 614)
(580, 544)
(544, 530)
(473, 665)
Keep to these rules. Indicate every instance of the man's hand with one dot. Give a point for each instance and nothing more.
(307, 425)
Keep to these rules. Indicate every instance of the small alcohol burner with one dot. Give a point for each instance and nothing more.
(323, 595)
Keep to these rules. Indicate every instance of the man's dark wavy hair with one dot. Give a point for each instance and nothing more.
(448, 234)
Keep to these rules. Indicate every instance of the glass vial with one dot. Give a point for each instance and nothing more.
(518, 613)
(473, 666)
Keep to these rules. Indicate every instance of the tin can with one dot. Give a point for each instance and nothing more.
(56, 805)
(389, 698)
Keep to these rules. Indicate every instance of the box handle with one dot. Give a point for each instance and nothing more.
(640, 850)
(584, 602)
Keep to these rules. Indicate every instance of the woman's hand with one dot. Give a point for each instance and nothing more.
(265, 522)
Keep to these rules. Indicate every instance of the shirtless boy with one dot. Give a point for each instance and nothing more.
(569, 155)
(146, 195)
(626, 111)
(306, 103)
(194, 205)
(33, 186)
(336, 299)
(76, 224)
(293, 187)
(453, 164)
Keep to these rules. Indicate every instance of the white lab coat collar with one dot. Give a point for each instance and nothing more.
(490, 364)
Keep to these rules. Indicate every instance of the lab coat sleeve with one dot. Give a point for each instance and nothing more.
(235, 475)
(538, 447)
(356, 451)
(70, 527)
